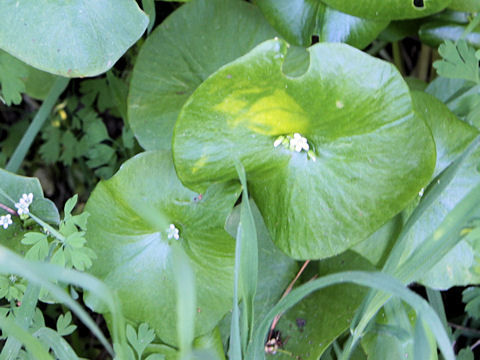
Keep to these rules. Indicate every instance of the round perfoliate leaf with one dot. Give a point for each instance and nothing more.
(391, 9)
(192, 43)
(135, 219)
(70, 38)
(299, 20)
(330, 155)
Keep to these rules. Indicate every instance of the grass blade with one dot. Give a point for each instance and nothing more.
(379, 281)
(45, 275)
(43, 113)
(32, 344)
(185, 288)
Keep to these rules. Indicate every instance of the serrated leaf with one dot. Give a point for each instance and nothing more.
(76, 240)
(64, 326)
(471, 298)
(317, 203)
(142, 340)
(99, 155)
(69, 205)
(459, 61)
(69, 148)
(32, 238)
(12, 72)
(50, 149)
(96, 89)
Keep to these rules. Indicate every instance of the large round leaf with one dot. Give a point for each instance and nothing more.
(391, 9)
(70, 38)
(369, 154)
(298, 20)
(180, 54)
(126, 231)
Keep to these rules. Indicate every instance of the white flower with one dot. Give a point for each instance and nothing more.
(6, 220)
(172, 232)
(24, 203)
(299, 143)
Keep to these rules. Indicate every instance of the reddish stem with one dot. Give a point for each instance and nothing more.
(6, 208)
(289, 288)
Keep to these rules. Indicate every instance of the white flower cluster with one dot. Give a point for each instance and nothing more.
(6, 220)
(22, 209)
(173, 233)
(24, 203)
(296, 143)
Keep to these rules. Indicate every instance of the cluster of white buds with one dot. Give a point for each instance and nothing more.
(24, 203)
(173, 233)
(296, 143)
(6, 220)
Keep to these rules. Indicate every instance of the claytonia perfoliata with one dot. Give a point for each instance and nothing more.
(5, 220)
(173, 233)
(299, 143)
(296, 143)
(24, 203)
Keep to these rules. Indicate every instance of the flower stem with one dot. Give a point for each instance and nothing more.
(7, 209)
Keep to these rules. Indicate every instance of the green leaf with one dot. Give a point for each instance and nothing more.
(317, 203)
(459, 61)
(33, 345)
(466, 354)
(392, 10)
(395, 334)
(471, 298)
(74, 38)
(459, 266)
(69, 147)
(275, 268)
(298, 20)
(142, 340)
(50, 149)
(64, 326)
(435, 32)
(451, 135)
(59, 346)
(315, 322)
(12, 187)
(380, 281)
(465, 5)
(12, 71)
(173, 62)
(128, 230)
(149, 8)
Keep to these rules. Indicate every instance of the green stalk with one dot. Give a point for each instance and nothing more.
(37, 123)
(397, 57)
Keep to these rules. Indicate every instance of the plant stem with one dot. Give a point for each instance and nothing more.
(37, 123)
(423, 64)
(289, 288)
(397, 57)
(7, 209)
